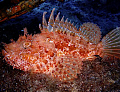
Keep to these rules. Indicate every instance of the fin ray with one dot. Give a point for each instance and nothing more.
(25, 31)
(51, 19)
(68, 67)
(59, 25)
(44, 22)
(111, 43)
(91, 32)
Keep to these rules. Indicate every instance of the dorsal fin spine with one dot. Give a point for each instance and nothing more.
(25, 31)
(60, 25)
(51, 19)
(57, 19)
(44, 22)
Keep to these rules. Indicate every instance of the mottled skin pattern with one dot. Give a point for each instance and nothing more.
(43, 53)
(60, 48)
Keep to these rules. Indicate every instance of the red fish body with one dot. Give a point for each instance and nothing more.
(60, 48)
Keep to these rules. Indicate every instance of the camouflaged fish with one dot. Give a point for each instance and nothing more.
(60, 48)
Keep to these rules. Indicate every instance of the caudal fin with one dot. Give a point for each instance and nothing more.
(111, 43)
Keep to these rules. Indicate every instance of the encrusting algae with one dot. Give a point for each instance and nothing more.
(60, 49)
(20, 7)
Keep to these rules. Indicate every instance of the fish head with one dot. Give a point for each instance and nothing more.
(17, 53)
(21, 44)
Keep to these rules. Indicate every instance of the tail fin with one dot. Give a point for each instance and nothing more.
(111, 43)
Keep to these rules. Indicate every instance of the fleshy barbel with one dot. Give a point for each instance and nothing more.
(60, 49)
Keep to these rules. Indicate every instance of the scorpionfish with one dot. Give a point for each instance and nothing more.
(60, 49)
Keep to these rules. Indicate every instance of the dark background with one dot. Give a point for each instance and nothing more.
(104, 13)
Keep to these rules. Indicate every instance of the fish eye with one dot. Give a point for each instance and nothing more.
(26, 44)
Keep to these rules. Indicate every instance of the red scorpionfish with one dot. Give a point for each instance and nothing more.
(60, 49)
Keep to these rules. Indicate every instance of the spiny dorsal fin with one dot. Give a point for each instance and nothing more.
(44, 22)
(57, 19)
(51, 19)
(66, 22)
(62, 21)
(111, 43)
(25, 31)
(59, 25)
(91, 32)
(40, 27)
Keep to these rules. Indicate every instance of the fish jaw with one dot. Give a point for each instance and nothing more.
(14, 61)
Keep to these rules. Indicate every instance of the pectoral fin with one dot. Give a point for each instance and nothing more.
(67, 68)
